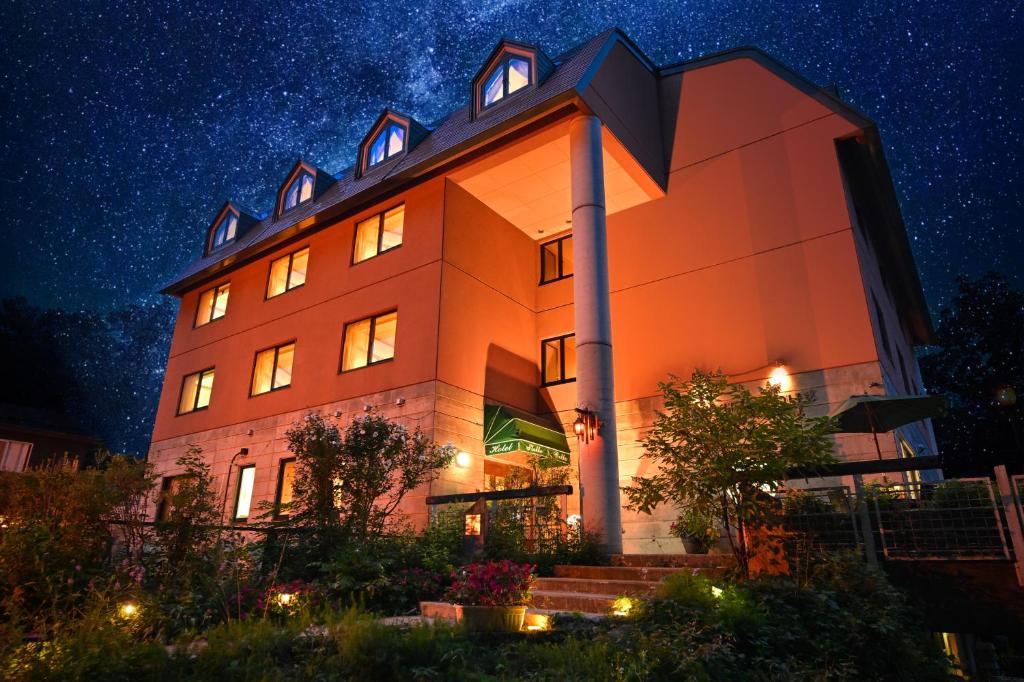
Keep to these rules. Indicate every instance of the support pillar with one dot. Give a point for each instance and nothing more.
(595, 390)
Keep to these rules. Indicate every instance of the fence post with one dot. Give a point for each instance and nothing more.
(1013, 521)
(867, 535)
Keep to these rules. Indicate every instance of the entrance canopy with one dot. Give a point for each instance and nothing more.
(508, 431)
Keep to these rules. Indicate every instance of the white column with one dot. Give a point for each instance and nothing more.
(595, 390)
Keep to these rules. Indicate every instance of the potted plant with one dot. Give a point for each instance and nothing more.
(696, 530)
(493, 595)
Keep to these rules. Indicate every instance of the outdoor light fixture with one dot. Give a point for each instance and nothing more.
(128, 610)
(462, 459)
(573, 520)
(586, 425)
(285, 598)
(779, 376)
(622, 606)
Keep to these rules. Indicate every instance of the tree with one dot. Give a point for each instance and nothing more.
(979, 351)
(349, 483)
(718, 448)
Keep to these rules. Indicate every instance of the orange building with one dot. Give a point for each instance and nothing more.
(582, 228)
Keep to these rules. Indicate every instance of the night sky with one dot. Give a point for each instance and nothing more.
(125, 125)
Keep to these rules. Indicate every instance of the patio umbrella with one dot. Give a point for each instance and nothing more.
(875, 413)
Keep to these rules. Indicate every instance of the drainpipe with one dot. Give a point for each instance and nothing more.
(595, 390)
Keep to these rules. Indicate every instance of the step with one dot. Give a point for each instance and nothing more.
(613, 588)
(572, 602)
(641, 574)
(536, 618)
(673, 560)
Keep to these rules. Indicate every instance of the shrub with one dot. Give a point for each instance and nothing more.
(494, 583)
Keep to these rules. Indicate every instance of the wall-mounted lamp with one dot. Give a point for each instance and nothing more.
(779, 376)
(462, 459)
(586, 425)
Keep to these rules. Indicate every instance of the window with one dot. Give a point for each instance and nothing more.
(225, 231)
(511, 74)
(378, 234)
(299, 191)
(369, 341)
(243, 500)
(287, 272)
(273, 369)
(285, 481)
(213, 304)
(556, 259)
(882, 329)
(558, 359)
(388, 143)
(195, 391)
(170, 487)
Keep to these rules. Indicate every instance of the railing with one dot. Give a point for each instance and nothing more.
(957, 519)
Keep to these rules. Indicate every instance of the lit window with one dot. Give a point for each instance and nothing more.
(243, 501)
(225, 231)
(510, 75)
(556, 260)
(369, 341)
(390, 142)
(287, 272)
(273, 369)
(195, 391)
(299, 191)
(213, 304)
(379, 233)
(558, 359)
(285, 483)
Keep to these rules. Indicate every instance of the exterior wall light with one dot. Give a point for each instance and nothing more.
(586, 425)
(573, 520)
(779, 377)
(463, 459)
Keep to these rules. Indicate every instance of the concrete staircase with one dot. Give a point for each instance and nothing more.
(593, 589)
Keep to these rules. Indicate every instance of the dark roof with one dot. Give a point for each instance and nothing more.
(43, 421)
(458, 128)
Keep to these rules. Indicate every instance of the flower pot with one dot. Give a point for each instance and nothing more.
(493, 618)
(693, 546)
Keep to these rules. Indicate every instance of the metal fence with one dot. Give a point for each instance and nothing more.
(957, 519)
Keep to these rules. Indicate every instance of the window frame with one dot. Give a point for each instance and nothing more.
(195, 398)
(561, 260)
(287, 282)
(388, 123)
(216, 292)
(369, 346)
(235, 519)
(504, 63)
(279, 488)
(273, 375)
(561, 360)
(380, 234)
(296, 177)
(211, 246)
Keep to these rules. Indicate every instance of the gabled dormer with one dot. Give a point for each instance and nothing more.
(303, 184)
(392, 136)
(511, 69)
(231, 223)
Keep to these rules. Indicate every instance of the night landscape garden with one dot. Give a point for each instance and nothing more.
(260, 420)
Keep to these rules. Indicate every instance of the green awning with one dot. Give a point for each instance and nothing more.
(507, 430)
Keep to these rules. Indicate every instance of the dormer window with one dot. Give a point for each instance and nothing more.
(299, 191)
(225, 231)
(388, 143)
(511, 74)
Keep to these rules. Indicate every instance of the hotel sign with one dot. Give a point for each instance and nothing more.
(551, 456)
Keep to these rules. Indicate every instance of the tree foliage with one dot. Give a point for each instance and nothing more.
(717, 448)
(979, 350)
(349, 483)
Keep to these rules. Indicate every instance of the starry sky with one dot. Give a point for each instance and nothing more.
(125, 125)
